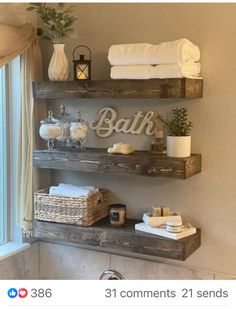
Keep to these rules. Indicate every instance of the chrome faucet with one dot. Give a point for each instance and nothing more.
(111, 274)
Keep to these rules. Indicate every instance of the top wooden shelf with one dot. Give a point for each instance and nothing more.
(119, 89)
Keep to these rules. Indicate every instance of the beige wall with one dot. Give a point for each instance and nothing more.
(15, 13)
(208, 199)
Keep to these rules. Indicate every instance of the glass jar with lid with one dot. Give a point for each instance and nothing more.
(50, 130)
(78, 131)
(158, 145)
(64, 119)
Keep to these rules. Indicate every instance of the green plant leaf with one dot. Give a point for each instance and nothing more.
(45, 37)
(179, 124)
(57, 21)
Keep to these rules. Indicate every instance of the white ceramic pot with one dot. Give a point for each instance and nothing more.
(59, 67)
(178, 146)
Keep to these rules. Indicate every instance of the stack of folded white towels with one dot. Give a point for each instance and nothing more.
(174, 59)
(71, 190)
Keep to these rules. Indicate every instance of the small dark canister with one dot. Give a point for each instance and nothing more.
(117, 214)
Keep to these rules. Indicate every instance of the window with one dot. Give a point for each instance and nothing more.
(9, 120)
(3, 187)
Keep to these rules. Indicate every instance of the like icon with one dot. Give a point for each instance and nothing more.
(22, 293)
(12, 293)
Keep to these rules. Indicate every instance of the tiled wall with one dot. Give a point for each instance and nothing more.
(65, 262)
(52, 261)
(23, 265)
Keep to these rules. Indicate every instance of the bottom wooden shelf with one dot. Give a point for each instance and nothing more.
(125, 239)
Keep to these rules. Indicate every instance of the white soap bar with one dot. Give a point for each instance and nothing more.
(121, 148)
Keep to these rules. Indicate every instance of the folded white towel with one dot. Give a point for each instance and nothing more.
(74, 187)
(71, 190)
(191, 70)
(188, 70)
(179, 51)
(132, 72)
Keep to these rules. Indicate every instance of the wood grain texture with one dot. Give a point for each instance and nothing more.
(98, 160)
(123, 238)
(119, 89)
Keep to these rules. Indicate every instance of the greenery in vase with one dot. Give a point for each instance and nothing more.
(57, 20)
(179, 124)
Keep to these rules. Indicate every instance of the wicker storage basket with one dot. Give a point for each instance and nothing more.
(82, 210)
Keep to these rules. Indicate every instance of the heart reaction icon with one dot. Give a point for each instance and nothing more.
(22, 293)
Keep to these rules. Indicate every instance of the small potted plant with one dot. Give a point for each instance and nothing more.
(178, 138)
(57, 25)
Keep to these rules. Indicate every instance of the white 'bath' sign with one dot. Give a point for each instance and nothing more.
(107, 123)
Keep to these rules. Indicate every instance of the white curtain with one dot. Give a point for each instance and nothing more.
(27, 178)
(15, 41)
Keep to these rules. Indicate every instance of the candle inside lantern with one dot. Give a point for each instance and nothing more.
(82, 72)
(82, 66)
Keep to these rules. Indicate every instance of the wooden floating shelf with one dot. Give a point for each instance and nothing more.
(125, 239)
(119, 89)
(99, 160)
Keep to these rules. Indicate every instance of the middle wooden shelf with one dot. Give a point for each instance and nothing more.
(98, 160)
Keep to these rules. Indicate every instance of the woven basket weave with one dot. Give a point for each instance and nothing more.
(82, 210)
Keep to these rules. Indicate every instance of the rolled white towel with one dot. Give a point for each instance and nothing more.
(190, 70)
(71, 190)
(178, 51)
(175, 52)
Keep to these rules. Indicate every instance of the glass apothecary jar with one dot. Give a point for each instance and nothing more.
(79, 131)
(64, 119)
(50, 130)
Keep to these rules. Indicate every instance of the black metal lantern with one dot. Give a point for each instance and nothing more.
(82, 66)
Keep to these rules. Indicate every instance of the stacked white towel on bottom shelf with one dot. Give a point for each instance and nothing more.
(71, 190)
(188, 70)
